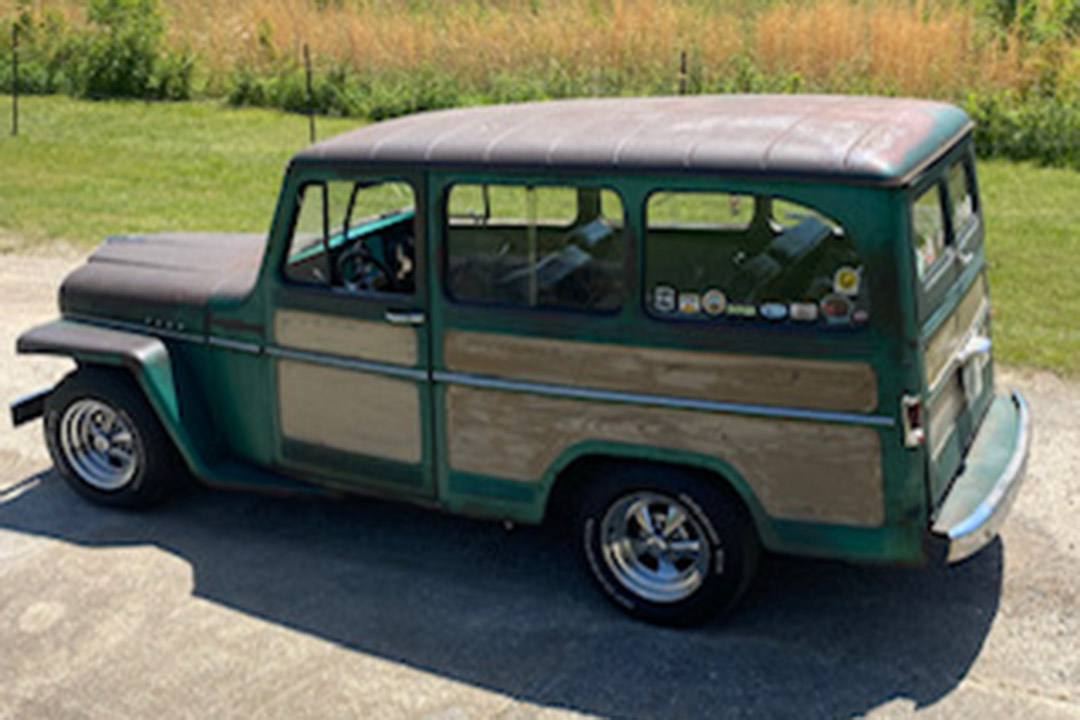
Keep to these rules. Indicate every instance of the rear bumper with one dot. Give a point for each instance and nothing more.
(993, 471)
(29, 407)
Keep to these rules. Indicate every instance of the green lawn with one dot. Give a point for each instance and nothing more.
(1033, 242)
(79, 171)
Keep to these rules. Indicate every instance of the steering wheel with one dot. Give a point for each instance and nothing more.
(360, 270)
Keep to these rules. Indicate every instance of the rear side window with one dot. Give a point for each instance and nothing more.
(962, 197)
(556, 247)
(928, 226)
(715, 257)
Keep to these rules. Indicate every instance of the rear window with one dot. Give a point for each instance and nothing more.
(719, 258)
(962, 197)
(944, 221)
(928, 226)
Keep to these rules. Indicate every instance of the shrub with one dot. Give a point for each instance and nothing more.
(1045, 129)
(173, 75)
(121, 54)
(45, 53)
(120, 49)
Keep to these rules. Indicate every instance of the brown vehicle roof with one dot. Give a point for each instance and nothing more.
(867, 139)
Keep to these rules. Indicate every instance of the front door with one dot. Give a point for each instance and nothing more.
(350, 338)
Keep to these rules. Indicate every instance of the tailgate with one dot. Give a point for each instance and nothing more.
(959, 379)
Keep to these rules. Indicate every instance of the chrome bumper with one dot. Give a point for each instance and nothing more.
(982, 494)
(29, 407)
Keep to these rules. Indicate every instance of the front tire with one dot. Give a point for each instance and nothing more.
(106, 442)
(666, 545)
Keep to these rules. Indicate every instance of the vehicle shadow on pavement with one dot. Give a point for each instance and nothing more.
(513, 612)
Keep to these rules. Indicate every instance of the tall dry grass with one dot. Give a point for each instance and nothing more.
(912, 48)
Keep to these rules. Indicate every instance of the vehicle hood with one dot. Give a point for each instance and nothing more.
(165, 280)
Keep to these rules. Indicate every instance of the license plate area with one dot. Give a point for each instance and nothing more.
(972, 378)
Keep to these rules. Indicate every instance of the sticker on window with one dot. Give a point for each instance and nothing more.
(714, 302)
(689, 303)
(846, 281)
(727, 258)
(664, 298)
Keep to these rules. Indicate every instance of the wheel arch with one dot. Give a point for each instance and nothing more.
(144, 358)
(566, 477)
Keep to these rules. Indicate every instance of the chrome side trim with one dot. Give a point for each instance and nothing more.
(155, 331)
(980, 527)
(578, 393)
(151, 330)
(493, 383)
(348, 363)
(237, 345)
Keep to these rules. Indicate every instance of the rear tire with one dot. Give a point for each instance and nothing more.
(107, 443)
(666, 545)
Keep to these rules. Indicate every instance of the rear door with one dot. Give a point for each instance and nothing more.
(954, 310)
(350, 342)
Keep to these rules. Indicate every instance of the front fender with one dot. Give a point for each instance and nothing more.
(146, 357)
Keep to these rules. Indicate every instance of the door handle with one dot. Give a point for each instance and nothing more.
(976, 345)
(405, 317)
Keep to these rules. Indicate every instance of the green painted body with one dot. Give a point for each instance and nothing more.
(219, 403)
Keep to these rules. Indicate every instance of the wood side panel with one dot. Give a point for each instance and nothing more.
(346, 410)
(798, 470)
(364, 339)
(945, 408)
(720, 377)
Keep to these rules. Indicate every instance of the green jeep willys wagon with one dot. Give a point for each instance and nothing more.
(696, 327)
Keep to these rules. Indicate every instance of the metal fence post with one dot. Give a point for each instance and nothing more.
(682, 73)
(310, 93)
(14, 78)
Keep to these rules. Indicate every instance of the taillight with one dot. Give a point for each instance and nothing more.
(911, 410)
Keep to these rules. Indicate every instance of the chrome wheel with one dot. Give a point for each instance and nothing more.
(98, 444)
(654, 547)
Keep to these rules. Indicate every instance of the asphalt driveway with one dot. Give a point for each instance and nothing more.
(231, 605)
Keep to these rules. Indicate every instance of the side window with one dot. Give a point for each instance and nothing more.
(785, 214)
(554, 247)
(928, 225)
(700, 210)
(780, 262)
(355, 237)
(306, 262)
(962, 198)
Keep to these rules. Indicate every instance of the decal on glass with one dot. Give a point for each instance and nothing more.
(689, 303)
(664, 298)
(846, 281)
(774, 311)
(714, 302)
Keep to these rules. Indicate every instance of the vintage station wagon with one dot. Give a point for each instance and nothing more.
(695, 328)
